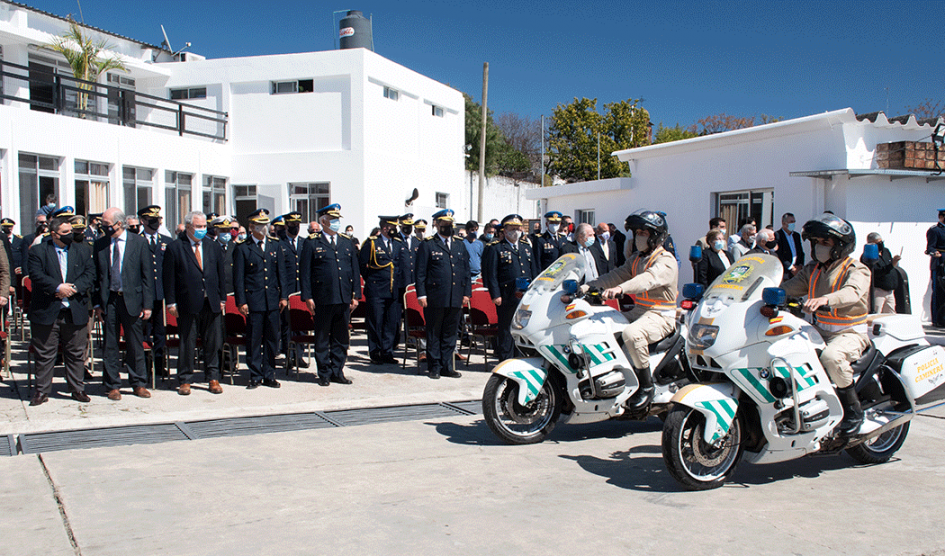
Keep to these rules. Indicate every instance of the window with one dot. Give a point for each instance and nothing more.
(442, 199)
(307, 198)
(39, 177)
(121, 101)
(392, 94)
(300, 86)
(177, 191)
(246, 200)
(91, 187)
(188, 94)
(214, 195)
(736, 207)
(137, 185)
(586, 217)
(437, 111)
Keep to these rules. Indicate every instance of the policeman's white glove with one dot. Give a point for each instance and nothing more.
(584, 289)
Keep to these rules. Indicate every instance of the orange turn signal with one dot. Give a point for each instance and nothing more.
(779, 330)
(576, 315)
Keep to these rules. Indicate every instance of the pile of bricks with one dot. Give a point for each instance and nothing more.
(909, 155)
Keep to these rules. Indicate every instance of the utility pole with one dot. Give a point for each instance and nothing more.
(482, 142)
(598, 155)
(542, 135)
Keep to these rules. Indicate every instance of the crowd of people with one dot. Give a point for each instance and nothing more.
(129, 273)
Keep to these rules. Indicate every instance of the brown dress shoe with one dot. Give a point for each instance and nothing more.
(215, 387)
(81, 397)
(184, 390)
(141, 392)
(114, 394)
(460, 356)
(39, 398)
(423, 356)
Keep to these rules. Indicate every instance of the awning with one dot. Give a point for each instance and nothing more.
(891, 174)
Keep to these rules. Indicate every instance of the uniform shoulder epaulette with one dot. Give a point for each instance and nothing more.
(494, 242)
(45, 234)
(459, 238)
(522, 240)
(18, 235)
(395, 238)
(346, 236)
(274, 238)
(428, 238)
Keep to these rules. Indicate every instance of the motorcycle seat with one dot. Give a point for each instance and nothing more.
(665, 343)
(867, 361)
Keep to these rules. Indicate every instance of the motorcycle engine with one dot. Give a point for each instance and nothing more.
(608, 385)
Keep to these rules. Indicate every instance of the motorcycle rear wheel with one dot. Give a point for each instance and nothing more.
(881, 448)
(514, 423)
(693, 462)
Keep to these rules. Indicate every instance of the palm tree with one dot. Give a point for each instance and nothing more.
(83, 56)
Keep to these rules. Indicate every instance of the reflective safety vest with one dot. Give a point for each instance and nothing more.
(645, 299)
(832, 321)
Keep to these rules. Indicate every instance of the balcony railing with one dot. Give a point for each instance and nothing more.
(63, 94)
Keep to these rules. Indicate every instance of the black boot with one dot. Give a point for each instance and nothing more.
(644, 395)
(852, 412)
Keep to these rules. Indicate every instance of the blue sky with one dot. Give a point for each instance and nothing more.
(687, 60)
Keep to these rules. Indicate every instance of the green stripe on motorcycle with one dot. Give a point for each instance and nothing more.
(760, 388)
(561, 359)
(590, 353)
(723, 423)
(532, 391)
(802, 380)
(607, 356)
(536, 379)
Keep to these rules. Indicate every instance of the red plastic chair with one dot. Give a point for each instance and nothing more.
(24, 303)
(483, 321)
(148, 354)
(301, 329)
(5, 340)
(172, 340)
(358, 319)
(234, 335)
(415, 325)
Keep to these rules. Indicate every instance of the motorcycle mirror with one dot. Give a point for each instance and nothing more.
(521, 283)
(695, 253)
(693, 291)
(870, 252)
(570, 286)
(774, 296)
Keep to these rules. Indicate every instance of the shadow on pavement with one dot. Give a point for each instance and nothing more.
(478, 433)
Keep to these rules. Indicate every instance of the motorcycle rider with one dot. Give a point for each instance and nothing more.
(650, 276)
(832, 278)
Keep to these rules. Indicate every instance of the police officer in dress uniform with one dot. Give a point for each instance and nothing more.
(503, 263)
(221, 225)
(155, 328)
(382, 259)
(935, 248)
(93, 229)
(548, 246)
(261, 289)
(331, 286)
(443, 287)
(292, 244)
(411, 244)
(420, 228)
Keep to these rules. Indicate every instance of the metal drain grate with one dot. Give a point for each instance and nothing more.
(240, 426)
(8, 446)
(472, 407)
(367, 416)
(37, 443)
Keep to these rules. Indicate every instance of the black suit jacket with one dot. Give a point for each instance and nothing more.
(137, 273)
(46, 277)
(603, 265)
(259, 278)
(329, 275)
(157, 253)
(610, 258)
(710, 267)
(784, 249)
(292, 256)
(443, 274)
(185, 285)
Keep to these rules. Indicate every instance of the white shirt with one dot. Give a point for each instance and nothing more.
(63, 254)
(591, 272)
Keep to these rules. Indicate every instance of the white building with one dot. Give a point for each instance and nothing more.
(804, 166)
(284, 132)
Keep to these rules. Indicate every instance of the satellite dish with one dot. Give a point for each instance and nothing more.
(412, 198)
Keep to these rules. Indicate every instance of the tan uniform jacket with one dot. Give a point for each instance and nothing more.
(4, 274)
(845, 284)
(652, 280)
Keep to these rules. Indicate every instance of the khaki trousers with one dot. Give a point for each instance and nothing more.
(884, 301)
(842, 349)
(646, 327)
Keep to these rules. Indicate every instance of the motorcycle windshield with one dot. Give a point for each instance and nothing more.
(746, 279)
(569, 266)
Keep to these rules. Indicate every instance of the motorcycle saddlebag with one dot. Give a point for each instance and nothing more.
(922, 368)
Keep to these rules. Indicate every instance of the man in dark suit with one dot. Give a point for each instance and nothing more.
(124, 297)
(504, 262)
(443, 287)
(193, 289)
(585, 244)
(63, 276)
(292, 245)
(261, 289)
(547, 246)
(619, 240)
(155, 329)
(608, 247)
(331, 286)
(383, 258)
(40, 228)
(790, 246)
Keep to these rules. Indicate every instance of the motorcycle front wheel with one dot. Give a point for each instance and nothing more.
(515, 423)
(881, 448)
(696, 464)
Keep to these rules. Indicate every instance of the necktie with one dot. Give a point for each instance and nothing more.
(63, 268)
(116, 268)
(153, 240)
(197, 254)
(332, 242)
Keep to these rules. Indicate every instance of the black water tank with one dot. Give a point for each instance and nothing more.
(355, 31)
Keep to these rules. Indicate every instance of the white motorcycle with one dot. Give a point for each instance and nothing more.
(768, 399)
(580, 373)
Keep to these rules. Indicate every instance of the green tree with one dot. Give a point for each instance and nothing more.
(578, 134)
(84, 56)
(675, 133)
(501, 156)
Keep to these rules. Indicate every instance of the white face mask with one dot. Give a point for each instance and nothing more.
(719, 245)
(822, 253)
(553, 228)
(641, 243)
(334, 225)
(605, 236)
(513, 236)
